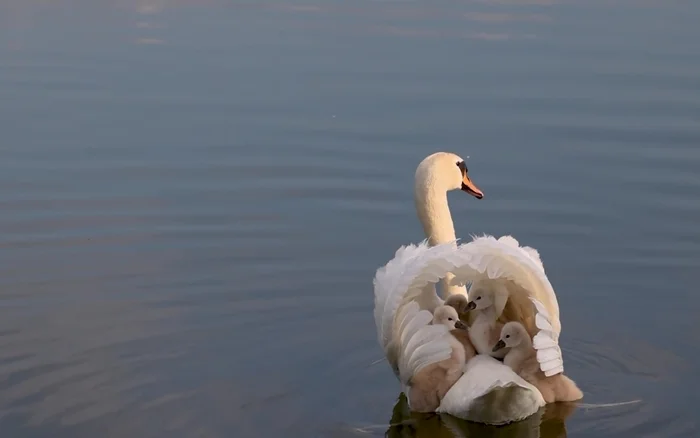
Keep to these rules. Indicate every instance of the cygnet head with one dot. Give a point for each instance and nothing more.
(458, 301)
(481, 299)
(512, 335)
(445, 171)
(447, 316)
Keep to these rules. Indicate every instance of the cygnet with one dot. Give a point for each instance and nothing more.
(522, 358)
(485, 329)
(449, 317)
(429, 386)
(459, 302)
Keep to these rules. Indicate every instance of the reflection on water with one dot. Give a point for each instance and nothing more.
(196, 195)
(549, 422)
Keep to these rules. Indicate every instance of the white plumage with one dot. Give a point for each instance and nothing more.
(422, 344)
(412, 264)
(490, 392)
(546, 342)
(405, 297)
(426, 347)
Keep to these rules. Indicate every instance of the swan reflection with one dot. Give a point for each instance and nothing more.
(548, 422)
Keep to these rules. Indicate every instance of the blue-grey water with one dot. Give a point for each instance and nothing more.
(195, 196)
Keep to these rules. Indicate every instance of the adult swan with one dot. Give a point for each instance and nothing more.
(405, 296)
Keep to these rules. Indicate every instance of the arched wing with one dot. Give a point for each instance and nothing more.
(520, 269)
(404, 286)
(412, 264)
(517, 274)
(530, 251)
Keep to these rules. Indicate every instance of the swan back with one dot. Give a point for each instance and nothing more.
(407, 278)
(492, 393)
(489, 391)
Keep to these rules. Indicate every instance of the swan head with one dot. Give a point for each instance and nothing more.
(512, 335)
(447, 316)
(480, 299)
(445, 171)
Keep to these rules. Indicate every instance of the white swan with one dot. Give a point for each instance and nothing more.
(489, 391)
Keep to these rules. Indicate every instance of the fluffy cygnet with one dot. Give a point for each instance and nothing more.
(449, 317)
(522, 358)
(486, 329)
(459, 302)
(430, 385)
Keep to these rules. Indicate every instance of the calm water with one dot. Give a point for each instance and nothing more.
(196, 195)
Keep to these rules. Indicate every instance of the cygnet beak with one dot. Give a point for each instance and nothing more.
(460, 325)
(500, 344)
(471, 306)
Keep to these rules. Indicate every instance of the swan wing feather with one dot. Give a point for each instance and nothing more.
(412, 264)
(432, 349)
(405, 315)
(389, 280)
(418, 321)
(422, 344)
(546, 342)
(534, 255)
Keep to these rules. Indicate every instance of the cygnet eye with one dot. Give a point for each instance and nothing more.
(478, 298)
(449, 319)
(507, 336)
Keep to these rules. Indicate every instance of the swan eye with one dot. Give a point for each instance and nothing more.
(462, 166)
(478, 298)
(449, 319)
(507, 336)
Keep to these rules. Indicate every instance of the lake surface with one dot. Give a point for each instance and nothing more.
(196, 195)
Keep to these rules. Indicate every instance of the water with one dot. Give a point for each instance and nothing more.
(196, 195)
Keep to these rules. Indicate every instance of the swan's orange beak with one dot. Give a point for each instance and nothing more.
(467, 183)
(471, 188)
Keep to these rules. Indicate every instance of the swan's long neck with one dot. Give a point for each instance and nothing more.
(434, 214)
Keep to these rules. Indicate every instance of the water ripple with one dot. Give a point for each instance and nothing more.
(190, 229)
